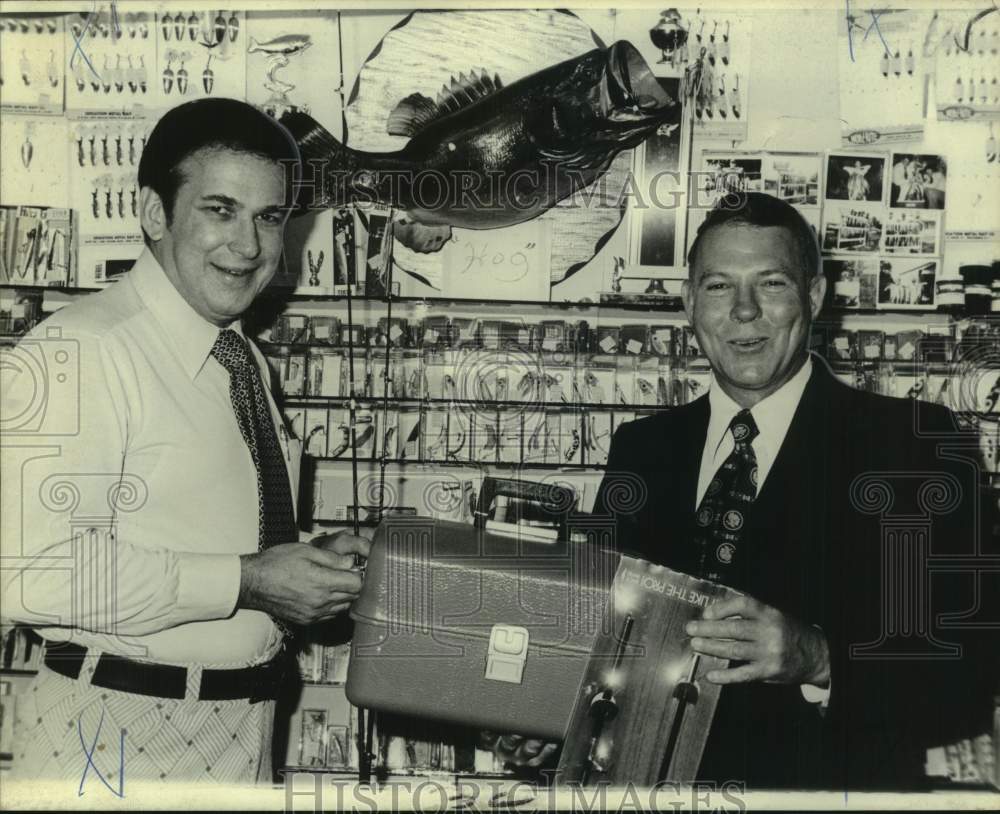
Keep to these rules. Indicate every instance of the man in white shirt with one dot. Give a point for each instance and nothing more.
(773, 484)
(149, 489)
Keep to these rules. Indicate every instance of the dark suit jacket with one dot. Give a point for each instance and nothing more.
(822, 552)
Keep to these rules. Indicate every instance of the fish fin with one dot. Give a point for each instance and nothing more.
(411, 114)
(420, 237)
(254, 46)
(466, 91)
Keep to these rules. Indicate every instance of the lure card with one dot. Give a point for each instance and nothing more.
(882, 75)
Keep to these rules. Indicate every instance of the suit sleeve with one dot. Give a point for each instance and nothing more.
(904, 678)
(64, 462)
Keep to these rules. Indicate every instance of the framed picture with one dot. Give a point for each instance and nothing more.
(793, 177)
(852, 228)
(851, 282)
(912, 232)
(338, 746)
(906, 283)
(855, 177)
(312, 741)
(918, 181)
(658, 208)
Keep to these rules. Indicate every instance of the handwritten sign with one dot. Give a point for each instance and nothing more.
(504, 264)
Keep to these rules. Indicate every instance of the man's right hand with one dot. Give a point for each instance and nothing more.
(298, 582)
(517, 749)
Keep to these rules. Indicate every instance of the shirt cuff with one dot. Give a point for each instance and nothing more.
(816, 695)
(208, 585)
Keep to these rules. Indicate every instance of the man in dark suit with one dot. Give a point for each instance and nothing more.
(825, 507)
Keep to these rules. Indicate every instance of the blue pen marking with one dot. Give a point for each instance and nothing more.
(89, 754)
(852, 23)
(77, 47)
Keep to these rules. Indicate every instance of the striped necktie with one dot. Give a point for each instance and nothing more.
(721, 515)
(246, 390)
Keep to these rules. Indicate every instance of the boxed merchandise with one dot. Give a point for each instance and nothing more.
(435, 433)
(356, 335)
(316, 431)
(570, 437)
(295, 375)
(463, 332)
(690, 348)
(295, 419)
(510, 426)
(650, 389)
(325, 372)
(410, 425)
(412, 382)
(908, 345)
(558, 384)
(625, 381)
(324, 330)
(460, 436)
(608, 339)
(661, 340)
(870, 344)
(597, 440)
(598, 381)
(634, 338)
(534, 431)
(843, 345)
(388, 434)
(554, 335)
(439, 370)
(485, 436)
(436, 332)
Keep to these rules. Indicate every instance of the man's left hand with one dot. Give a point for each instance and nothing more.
(776, 648)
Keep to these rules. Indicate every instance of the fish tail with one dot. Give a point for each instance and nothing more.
(319, 150)
(254, 46)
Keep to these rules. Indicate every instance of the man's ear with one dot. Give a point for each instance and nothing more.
(688, 296)
(152, 216)
(817, 293)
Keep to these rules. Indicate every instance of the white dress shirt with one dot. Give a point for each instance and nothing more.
(773, 416)
(129, 494)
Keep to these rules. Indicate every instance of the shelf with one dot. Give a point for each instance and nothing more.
(12, 671)
(374, 402)
(67, 289)
(431, 462)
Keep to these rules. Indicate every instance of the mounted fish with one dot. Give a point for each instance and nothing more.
(497, 155)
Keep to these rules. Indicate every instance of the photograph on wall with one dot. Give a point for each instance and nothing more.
(906, 283)
(912, 232)
(792, 177)
(725, 173)
(852, 228)
(852, 282)
(658, 227)
(312, 743)
(855, 177)
(918, 181)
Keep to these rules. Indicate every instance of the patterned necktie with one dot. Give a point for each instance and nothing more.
(720, 517)
(246, 390)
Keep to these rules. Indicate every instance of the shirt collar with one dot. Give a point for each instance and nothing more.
(191, 335)
(773, 415)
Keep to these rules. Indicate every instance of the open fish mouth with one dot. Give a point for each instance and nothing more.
(629, 90)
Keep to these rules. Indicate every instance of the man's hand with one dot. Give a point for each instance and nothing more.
(517, 749)
(345, 544)
(776, 648)
(301, 583)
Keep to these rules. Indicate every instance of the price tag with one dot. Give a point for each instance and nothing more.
(395, 332)
(608, 344)
(634, 346)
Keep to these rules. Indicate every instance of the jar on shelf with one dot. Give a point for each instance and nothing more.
(978, 288)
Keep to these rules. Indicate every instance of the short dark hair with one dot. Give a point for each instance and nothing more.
(760, 209)
(215, 124)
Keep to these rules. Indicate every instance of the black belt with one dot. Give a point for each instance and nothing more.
(258, 683)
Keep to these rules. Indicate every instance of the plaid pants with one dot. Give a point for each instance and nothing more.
(68, 729)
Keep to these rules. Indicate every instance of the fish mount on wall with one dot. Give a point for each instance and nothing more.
(485, 156)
